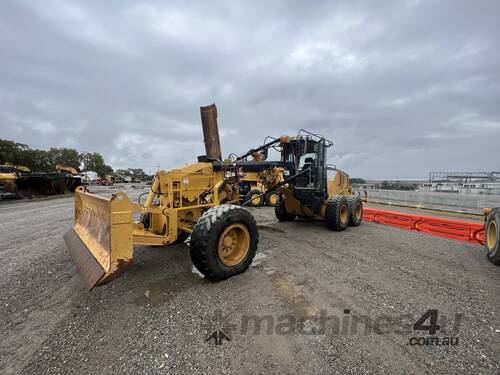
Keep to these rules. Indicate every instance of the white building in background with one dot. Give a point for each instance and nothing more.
(89, 177)
(487, 183)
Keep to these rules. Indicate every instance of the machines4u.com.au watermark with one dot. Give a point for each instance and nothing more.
(430, 328)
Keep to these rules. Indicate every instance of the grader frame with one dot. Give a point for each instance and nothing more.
(105, 227)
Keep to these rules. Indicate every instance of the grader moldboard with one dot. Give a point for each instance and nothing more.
(198, 200)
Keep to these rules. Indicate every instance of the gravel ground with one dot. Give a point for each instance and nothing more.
(157, 317)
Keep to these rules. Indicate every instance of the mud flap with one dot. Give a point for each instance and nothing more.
(100, 241)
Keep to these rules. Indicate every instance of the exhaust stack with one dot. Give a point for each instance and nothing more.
(211, 131)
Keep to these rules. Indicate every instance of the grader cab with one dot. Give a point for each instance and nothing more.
(311, 187)
(318, 190)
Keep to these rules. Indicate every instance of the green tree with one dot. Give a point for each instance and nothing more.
(123, 172)
(93, 161)
(65, 156)
(137, 174)
(45, 161)
(13, 152)
(356, 180)
(39, 160)
(385, 185)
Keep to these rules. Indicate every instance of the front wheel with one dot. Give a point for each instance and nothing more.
(224, 242)
(280, 211)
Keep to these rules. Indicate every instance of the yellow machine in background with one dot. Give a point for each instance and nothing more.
(259, 176)
(254, 184)
(9, 173)
(16, 168)
(73, 177)
(6, 174)
(65, 169)
(7, 180)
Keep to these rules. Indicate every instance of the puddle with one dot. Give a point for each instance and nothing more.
(292, 293)
(161, 291)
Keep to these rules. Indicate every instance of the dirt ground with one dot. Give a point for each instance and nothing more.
(314, 301)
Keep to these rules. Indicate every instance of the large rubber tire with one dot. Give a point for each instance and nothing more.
(355, 210)
(337, 213)
(204, 246)
(249, 196)
(492, 236)
(280, 211)
(272, 199)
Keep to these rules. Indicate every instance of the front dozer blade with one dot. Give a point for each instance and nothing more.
(100, 241)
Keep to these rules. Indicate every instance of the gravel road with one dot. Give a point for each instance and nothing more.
(314, 301)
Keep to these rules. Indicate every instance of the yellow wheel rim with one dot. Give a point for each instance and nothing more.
(234, 243)
(273, 199)
(344, 214)
(256, 199)
(491, 237)
(359, 211)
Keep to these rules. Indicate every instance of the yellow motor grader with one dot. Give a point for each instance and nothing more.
(196, 200)
(199, 200)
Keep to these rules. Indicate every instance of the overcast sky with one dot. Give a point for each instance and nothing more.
(402, 88)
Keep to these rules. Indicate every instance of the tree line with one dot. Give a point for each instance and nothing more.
(46, 160)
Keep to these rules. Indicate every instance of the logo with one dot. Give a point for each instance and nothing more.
(219, 328)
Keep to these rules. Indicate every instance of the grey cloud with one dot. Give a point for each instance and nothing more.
(403, 88)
